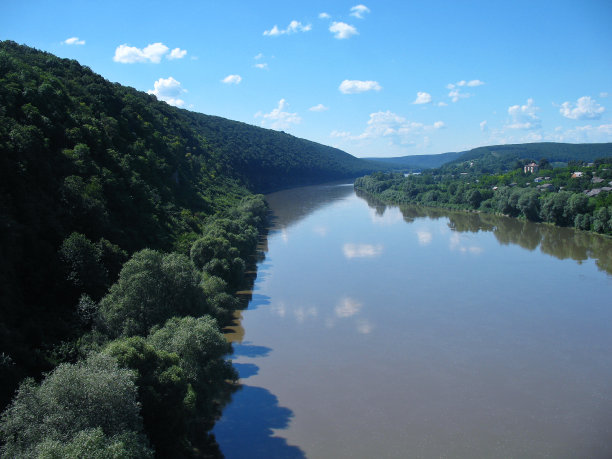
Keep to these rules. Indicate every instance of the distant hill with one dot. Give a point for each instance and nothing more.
(417, 161)
(499, 158)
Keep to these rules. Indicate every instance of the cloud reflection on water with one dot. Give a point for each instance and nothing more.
(362, 250)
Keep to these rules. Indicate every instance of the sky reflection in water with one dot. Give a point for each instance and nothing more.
(417, 332)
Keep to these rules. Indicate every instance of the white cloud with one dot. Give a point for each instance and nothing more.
(74, 41)
(483, 126)
(259, 56)
(232, 79)
(442, 104)
(342, 30)
(359, 10)
(347, 307)
(524, 116)
(176, 53)
(261, 65)
(340, 134)
(439, 125)
(278, 118)
(357, 86)
(585, 109)
(168, 90)
(293, 27)
(318, 108)
(584, 134)
(361, 250)
(130, 54)
(422, 98)
(324, 16)
(455, 92)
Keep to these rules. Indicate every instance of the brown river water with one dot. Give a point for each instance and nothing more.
(378, 331)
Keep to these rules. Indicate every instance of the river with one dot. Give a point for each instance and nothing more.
(375, 331)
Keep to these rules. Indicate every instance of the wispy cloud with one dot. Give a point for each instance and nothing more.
(319, 108)
(73, 41)
(584, 109)
(261, 65)
(524, 116)
(342, 30)
(232, 79)
(278, 118)
(324, 16)
(359, 10)
(358, 86)
(152, 53)
(456, 92)
(422, 98)
(169, 90)
(293, 27)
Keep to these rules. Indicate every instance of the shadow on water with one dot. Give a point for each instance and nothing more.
(250, 350)
(246, 370)
(246, 428)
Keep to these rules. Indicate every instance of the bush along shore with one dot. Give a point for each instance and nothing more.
(149, 375)
(577, 195)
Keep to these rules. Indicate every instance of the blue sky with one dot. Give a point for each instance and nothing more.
(378, 78)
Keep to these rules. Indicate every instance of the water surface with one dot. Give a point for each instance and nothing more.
(384, 332)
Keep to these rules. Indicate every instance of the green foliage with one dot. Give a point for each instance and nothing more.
(152, 287)
(201, 348)
(162, 390)
(92, 394)
(557, 196)
(93, 444)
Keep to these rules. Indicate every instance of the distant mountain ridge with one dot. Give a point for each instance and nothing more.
(552, 151)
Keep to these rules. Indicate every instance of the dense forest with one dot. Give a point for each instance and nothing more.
(126, 227)
(577, 195)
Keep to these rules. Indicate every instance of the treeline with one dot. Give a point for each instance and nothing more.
(123, 237)
(148, 376)
(555, 195)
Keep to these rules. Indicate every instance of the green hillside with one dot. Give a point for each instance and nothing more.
(415, 162)
(501, 158)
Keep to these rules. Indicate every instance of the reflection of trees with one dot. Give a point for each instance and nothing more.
(290, 206)
(562, 243)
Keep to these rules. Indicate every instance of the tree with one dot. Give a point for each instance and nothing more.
(529, 205)
(152, 287)
(84, 268)
(201, 349)
(162, 390)
(91, 394)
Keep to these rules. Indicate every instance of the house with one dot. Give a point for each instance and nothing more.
(538, 179)
(531, 168)
(577, 174)
(597, 180)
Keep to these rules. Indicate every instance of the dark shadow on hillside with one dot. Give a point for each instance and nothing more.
(245, 430)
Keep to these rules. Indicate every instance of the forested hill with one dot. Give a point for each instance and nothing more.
(265, 159)
(497, 158)
(501, 158)
(415, 162)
